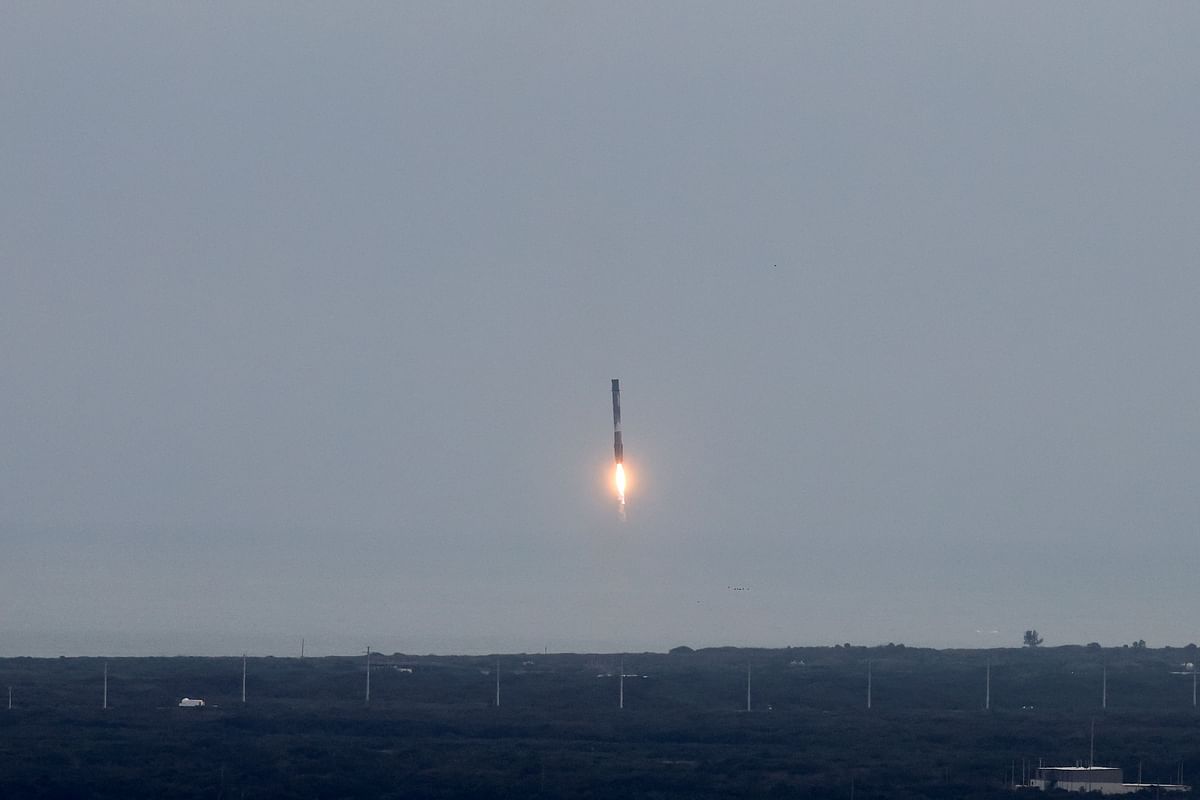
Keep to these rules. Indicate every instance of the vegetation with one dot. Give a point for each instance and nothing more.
(434, 732)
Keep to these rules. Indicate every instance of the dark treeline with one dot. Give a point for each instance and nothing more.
(306, 730)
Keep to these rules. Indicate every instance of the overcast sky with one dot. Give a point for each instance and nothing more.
(308, 315)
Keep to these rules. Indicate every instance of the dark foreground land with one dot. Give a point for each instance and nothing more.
(434, 732)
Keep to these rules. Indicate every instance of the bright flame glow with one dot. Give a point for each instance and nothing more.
(620, 479)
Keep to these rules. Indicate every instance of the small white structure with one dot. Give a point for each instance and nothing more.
(189, 702)
(1105, 780)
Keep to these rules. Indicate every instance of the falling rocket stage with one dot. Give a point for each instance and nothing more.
(618, 449)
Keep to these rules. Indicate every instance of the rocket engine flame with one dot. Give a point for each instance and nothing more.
(619, 479)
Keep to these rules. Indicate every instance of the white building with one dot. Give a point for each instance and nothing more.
(189, 702)
(1106, 780)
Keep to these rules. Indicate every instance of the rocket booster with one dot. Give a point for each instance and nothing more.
(618, 449)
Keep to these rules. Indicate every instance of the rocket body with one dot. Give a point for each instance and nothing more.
(618, 448)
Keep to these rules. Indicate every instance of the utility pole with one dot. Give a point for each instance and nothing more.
(747, 685)
(301, 647)
(987, 697)
(621, 695)
(243, 679)
(1092, 747)
(105, 706)
(868, 684)
(1193, 684)
(497, 681)
(10, 698)
(368, 700)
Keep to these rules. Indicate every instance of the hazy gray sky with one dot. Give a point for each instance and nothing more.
(308, 315)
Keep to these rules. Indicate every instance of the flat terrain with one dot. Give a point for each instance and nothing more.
(434, 731)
